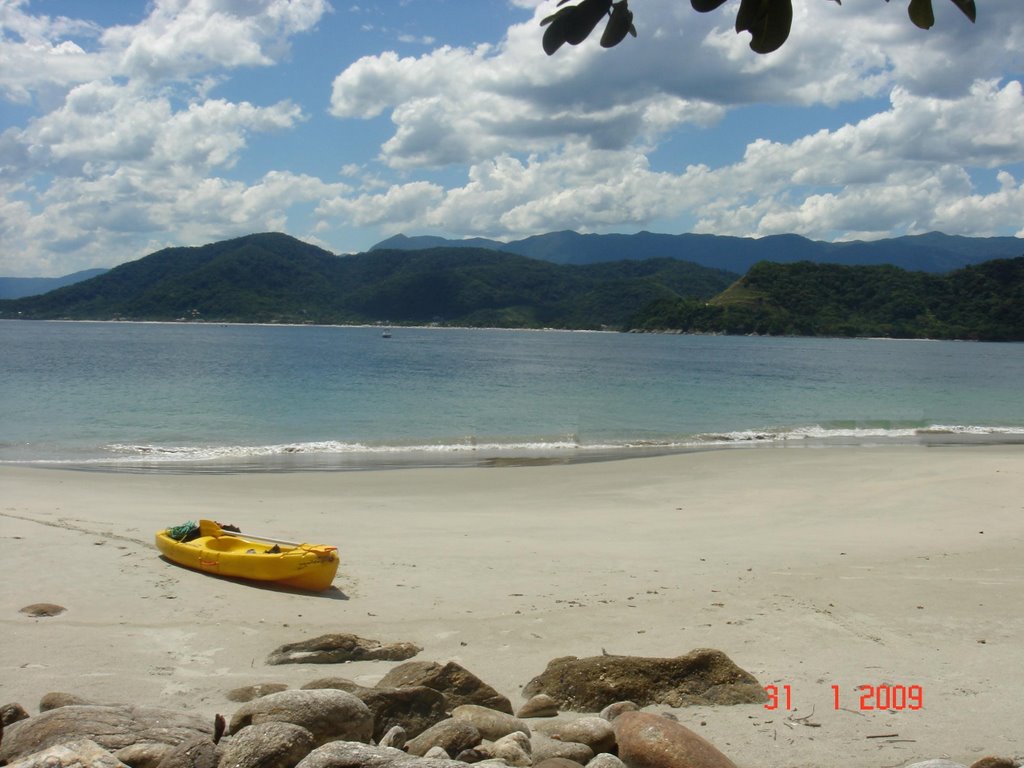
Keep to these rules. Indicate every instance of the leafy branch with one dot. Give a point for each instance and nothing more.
(767, 21)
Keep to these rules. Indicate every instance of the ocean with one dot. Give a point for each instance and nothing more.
(203, 397)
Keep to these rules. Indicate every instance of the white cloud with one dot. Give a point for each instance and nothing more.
(907, 175)
(183, 38)
(127, 137)
(143, 135)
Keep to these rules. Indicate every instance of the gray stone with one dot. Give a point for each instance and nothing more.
(937, 763)
(435, 752)
(56, 699)
(198, 753)
(414, 707)
(338, 648)
(592, 730)
(328, 714)
(473, 755)
(457, 683)
(346, 754)
(513, 749)
(268, 745)
(558, 762)
(544, 748)
(992, 761)
(646, 740)
(451, 735)
(491, 723)
(250, 692)
(42, 610)
(78, 753)
(606, 760)
(540, 705)
(703, 676)
(612, 711)
(146, 754)
(12, 713)
(395, 737)
(111, 727)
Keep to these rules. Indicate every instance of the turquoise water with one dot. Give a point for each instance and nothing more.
(195, 397)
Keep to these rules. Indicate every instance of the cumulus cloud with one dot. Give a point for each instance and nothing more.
(566, 141)
(124, 151)
(183, 38)
(144, 135)
(908, 176)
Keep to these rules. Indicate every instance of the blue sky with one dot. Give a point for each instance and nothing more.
(127, 126)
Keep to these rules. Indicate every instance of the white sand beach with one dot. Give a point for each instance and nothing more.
(897, 566)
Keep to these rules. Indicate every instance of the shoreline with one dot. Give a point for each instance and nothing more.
(313, 457)
(809, 569)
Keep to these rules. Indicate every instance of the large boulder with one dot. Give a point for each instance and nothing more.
(328, 714)
(647, 740)
(338, 648)
(703, 677)
(458, 684)
(111, 727)
(414, 708)
(268, 745)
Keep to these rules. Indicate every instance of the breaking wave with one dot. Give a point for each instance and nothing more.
(332, 454)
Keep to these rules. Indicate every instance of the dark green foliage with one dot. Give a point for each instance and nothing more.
(573, 24)
(922, 15)
(275, 278)
(982, 302)
(768, 21)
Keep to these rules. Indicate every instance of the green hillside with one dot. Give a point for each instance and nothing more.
(276, 278)
(984, 302)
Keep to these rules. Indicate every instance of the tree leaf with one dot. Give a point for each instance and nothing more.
(581, 23)
(967, 6)
(921, 13)
(768, 21)
(703, 6)
(555, 35)
(619, 25)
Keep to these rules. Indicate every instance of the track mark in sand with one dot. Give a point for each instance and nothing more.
(66, 525)
(846, 625)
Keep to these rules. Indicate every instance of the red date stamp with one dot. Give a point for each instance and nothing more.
(884, 697)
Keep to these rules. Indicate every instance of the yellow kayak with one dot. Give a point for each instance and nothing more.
(208, 547)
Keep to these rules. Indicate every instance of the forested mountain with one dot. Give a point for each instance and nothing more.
(276, 278)
(984, 302)
(932, 252)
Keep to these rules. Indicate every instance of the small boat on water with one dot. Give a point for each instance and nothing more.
(207, 546)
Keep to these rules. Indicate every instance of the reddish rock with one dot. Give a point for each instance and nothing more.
(646, 740)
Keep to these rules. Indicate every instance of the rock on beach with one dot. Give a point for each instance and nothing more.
(704, 676)
(328, 714)
(646, 740)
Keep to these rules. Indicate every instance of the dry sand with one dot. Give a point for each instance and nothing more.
(901, 566)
